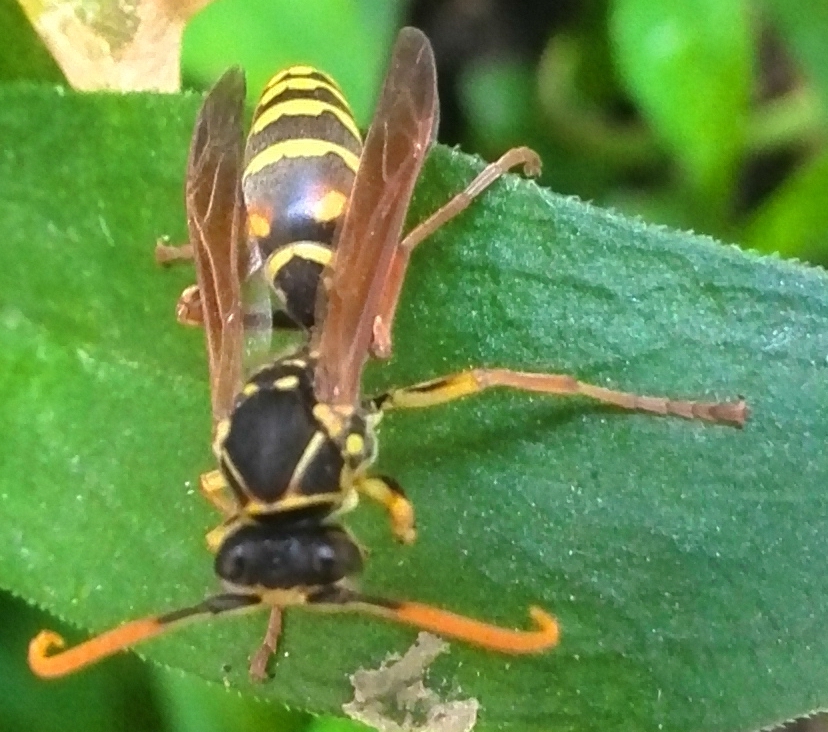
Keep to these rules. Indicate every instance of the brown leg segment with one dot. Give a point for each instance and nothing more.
(188, 309)
(465, 383)
(167, 253)
(518, 156)
(260, 659)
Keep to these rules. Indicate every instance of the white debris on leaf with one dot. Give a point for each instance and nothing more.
(394, 697)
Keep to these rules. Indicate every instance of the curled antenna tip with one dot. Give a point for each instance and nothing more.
(544, 636)
(546, 624)
(41, 647)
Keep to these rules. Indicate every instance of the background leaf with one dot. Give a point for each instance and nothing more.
(685, 561)
(687, 64)
(229, 32)
(803, 24)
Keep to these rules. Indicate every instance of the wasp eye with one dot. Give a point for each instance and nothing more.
(324, 560)
(234, 563)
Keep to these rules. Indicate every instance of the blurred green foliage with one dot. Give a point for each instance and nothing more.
(703, 114)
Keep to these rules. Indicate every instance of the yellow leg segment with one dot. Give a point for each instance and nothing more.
(465, 383)
(387, 492)
(218, 494)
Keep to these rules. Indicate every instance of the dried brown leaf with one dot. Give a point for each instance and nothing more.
(123, 45)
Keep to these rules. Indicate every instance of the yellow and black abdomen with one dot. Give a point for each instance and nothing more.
(300, 161)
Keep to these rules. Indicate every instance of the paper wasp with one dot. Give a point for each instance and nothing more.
(296, 440)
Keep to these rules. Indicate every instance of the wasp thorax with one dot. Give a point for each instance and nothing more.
(274, 556)
(281, 448)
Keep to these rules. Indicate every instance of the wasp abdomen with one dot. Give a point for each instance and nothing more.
(300, 161)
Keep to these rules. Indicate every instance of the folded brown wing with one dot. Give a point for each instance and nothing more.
(400, 136)
(216, 221)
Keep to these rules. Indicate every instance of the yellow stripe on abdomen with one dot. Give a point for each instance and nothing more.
(306, 108)
(306, 84)
(302, 148)
(298, 70)
(308, 250)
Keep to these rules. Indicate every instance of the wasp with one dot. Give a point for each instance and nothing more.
(295, 441)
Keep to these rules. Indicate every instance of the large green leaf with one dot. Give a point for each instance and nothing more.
(685, 561)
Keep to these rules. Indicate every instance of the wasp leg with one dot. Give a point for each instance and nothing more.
(518, 156)
(218, 494)
(167, 253)
(260, 659)
(389, 493)
(188, 309)
(465, 383)
(214, 488)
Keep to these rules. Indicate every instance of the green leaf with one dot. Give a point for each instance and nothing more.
(685, 561)
(687, 63)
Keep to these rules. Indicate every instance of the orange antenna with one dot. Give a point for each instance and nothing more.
(476, 632)
(48, 660)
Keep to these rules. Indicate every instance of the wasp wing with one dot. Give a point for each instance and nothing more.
(352, 284)
(257, 311)
(217, 224)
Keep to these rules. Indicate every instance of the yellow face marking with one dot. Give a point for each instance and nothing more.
(300, 84)
(330, 206)
(304, 107)
(354, 444)
(258, 223)
(282, 598)
(301, 148)
(286, 383)
(302, 249)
